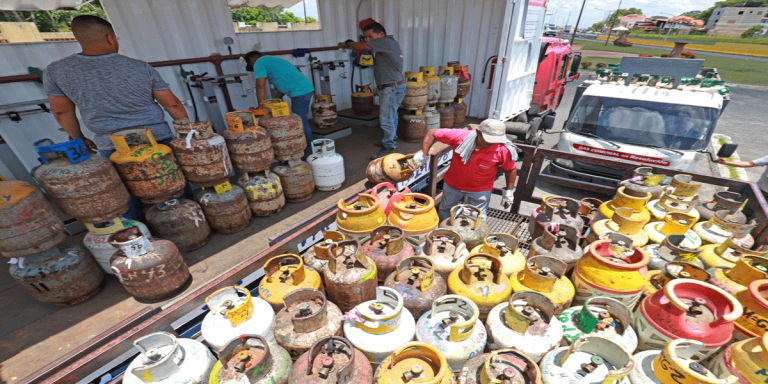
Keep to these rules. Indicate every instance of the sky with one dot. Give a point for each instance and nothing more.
(558, 10)
(298, 9)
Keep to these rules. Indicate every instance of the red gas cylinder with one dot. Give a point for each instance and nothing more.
(555, 209)
(387, 247)
(387, 195)
(332, 359)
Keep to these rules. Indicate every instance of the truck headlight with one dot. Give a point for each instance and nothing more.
(564, 163)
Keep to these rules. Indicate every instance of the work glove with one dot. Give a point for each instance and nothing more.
(507, 197)
(419, 159)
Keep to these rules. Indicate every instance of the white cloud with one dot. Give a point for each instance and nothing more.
(592, 15)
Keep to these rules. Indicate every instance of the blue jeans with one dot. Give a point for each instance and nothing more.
(452, 196)
(389, 100)
(300, 106)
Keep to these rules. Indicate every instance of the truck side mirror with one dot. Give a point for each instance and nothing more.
(727, 150)
(575, 64)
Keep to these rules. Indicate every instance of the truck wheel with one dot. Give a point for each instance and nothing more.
(522, 131)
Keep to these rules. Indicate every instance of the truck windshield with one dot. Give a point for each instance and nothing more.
(640, 122)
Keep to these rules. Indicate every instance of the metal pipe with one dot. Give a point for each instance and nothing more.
(18, 78)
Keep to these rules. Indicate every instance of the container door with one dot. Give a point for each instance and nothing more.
(518, 58)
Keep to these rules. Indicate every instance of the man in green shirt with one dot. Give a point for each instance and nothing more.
(288, 80)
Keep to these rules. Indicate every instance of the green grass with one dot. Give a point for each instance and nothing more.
(733, 70)
(703, 38)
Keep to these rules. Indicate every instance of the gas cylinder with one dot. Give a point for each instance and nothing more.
(747, 269)
(85, 187)
(226, 211)
(687, 309)
(720, 227)
(378, 327)
(316, 257)
(669, 202)
(415, 91)
(446, 249)
(181, 221)
(467, 220)
(672, 249)
(264, 192)
(356, 221)
(546, 275)
(725, 254)
(283, 274)
(482, 281)
(459, 112)
(555, 209)
(588, 210)
(433, 84)
(675, 223)
(324, 111)
(362, 100)
(629, 198)
(306, 318)
(453, 327)
(527, 323)
(250, 147)
(392, 168)
(28, 222)
(448, 84)
(446, 114)
(414, 363)
(350, 275)
(621, 222)
(332, 360)
(500, 366)
(417, 283)
(560, 241)
(163, 358)
(250, 359)
(683, 187)
(504, 247)
(644, 180)
(723, 200)
(754, 320)
(433, 117)
(297, 180)
(415, 213)
(97, 239)
(327, 165)
(148, 169)
(611, 268)
(600, 316)
(744, 359)
(202, 154)
(147, 268)
(63, 275)
(673, 365)
(415, 126)
(674, 270)
(387, 247)
(589, 359)
(465, 80)
(387, 194)
(231, 314)
(286, 130)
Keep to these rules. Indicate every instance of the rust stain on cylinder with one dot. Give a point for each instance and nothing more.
(183, 224)
(446, 116)
(29, 226)
(264, 192)
(324, 114)
(297, 181)
(206, 163)
(251, 150)
(227, 212)
(287, 133)
(362, 105)
(459, 114)
(154, 275)
(415, 128)
(155, 180)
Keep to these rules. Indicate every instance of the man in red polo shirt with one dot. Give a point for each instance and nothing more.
(477, 154)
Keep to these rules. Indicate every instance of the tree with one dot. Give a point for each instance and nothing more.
(752, 31)
(55, 21)
(251, 16)
(597, 27)
(614, 18)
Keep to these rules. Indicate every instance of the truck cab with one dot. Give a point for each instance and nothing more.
(553, 73)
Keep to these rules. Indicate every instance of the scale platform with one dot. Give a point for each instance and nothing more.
(336, 132)
(348, 116)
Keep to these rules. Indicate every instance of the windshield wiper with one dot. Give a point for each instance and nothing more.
(657, 147)
(592, 135)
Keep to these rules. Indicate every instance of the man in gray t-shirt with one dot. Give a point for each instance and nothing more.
(388, 73)
(112, 91)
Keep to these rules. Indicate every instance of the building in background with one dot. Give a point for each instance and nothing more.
(733, 21)
(628, 18)
(764, 24)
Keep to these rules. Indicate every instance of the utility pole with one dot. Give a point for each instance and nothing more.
(612, 24)
(575, 28)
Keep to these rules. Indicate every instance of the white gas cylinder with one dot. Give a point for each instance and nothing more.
(165, 359)
(327, 165)
(600, 316)
(234, 312)
(589, 360)
(97, 239)
(673, 364)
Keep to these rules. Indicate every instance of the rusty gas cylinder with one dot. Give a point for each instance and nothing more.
(350, 275)
(250, 146)
(467, 220)
(62, 275)
(448, 84)
(250, 359)
(588, 210)
(446, 249)
(465, 79)
(433, 117)
(414, 363)
(392, 168)
(225, 207)
(415, 91)
(85, 187)
(332, 360)
(723, 201)
(296, 179)
(674, 270)
(286, 273)
(264, 192)
(147, 268)
(316, 257)
(433, 84)
(362, 100)
(28, 223)
(181, 221)
(415, 126)
(560, 241)
(500, 366)
(286, 131)
(446, 115)
(546, 275)
(306, 318)
(415, 279)
(555, 209)
(387, 247)
(202, 154)
(723, 225)
(148, 169)
(459, 112)
(590, 359)
(324, 111)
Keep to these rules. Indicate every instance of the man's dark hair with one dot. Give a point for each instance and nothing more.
(248, 56)
(375, 27)
(90, 29)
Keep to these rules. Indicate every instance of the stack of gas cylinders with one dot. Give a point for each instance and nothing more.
(653, 286)
(446, 91)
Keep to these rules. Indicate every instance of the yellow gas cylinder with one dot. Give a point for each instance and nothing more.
(737, 278)
(392, 168)
(721, 226)
(149, 169)
(684, 187)
(747, 360)
(611, 268)
(362, 100)
(658, 279)
(621, 222)
(356, 221)
(482, 281)
(433, 84)
(675, 223)
(546, 275)
(669, 202)
(645, 180)
(725, 254)
(504, 247)
(630, 199)
(673, 365)
(754, 321)
(284, 274)
(415, 91)
(414, 363)
(415, 213)
(316, 257)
